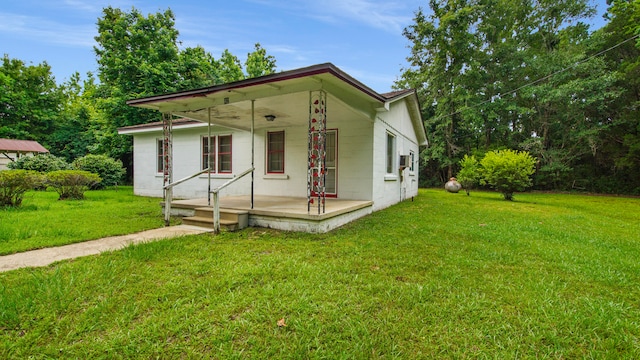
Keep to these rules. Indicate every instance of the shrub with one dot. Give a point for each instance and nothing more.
(111, 171)
(71, 184)
(14, 183)
(43, 163)
(508, 171)
(470, 173)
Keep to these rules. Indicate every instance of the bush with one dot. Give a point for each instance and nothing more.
(470, 173)
(508, 171)
(43, 163)
(14, 183)
(111, 171)
(71, 184)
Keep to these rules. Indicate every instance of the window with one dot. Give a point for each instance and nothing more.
(331, 163)
(219, 156)
(411, 157)
(275, 152)
(391, 150)
(224, 154)
(160, 157)
(209, 150)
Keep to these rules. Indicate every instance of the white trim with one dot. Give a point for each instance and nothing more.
(275, 176)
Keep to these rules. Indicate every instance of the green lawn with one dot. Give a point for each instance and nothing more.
(43, 221)
(444, 276)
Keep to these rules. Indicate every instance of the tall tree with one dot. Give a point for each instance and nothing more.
(80, 123)
(442, 49)
(475, 61)
(30, 100)
(259, 63)
(138, 56)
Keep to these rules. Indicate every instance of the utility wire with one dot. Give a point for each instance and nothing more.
(543, 78)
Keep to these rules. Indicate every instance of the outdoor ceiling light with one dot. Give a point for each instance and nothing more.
(270, 117)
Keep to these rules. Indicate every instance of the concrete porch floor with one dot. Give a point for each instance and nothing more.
(281, 206)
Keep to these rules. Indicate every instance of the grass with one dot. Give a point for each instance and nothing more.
(444, 276)
(43, 221)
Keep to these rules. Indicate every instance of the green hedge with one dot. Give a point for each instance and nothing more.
(71, 184)
(14, 183)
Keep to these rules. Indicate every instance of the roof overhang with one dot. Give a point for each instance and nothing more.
(415, 114)
(283, 94)
(21, 146)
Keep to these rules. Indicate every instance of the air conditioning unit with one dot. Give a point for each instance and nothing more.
(405, 161)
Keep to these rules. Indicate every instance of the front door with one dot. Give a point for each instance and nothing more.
(331, 164)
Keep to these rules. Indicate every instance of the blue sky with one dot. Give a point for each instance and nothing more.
(362, 37)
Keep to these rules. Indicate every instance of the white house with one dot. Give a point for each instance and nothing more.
(11, 150)
(318, 148)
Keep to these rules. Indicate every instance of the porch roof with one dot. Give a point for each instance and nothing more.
(284, 95)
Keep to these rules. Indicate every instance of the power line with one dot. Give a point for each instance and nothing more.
(543, 78)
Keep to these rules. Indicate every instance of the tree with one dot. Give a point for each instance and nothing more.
(80, 122)
(139, 56)
(470, 173)
(473, 63)
(507, 171)
(30, 101)
(259, 63)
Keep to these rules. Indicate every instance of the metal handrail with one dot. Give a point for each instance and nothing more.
(235, 178)
(168, 195)
(216, 203)
(169, 186)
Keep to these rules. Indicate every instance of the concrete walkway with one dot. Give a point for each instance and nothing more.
(46, 256)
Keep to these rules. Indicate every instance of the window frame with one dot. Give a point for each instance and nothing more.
(215, 163)
(220, 153)
(160, 156)
(412, 155)
(390, 148)
(270, 152)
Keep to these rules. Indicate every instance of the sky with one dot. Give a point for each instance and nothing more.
(361, 37)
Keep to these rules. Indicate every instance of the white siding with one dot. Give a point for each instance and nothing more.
(361, 160)
(390, 189)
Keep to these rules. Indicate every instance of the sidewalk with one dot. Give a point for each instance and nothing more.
(46, 256)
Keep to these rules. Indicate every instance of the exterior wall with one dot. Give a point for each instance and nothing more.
(361, 173)
(4, 161)
(355, 164)
(294, 180)
(187, 158)
(389, 189)
(355, 145)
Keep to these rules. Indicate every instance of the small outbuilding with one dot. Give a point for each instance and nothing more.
(11, 150)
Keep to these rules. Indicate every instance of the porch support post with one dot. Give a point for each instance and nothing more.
(167, 164)
(316, 164)
(209, 156)
(253, 118)
(216, 213)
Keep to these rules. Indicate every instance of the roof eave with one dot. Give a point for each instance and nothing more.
(326, 68)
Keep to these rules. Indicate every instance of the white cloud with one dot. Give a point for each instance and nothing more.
(46, 31)
(390, 16)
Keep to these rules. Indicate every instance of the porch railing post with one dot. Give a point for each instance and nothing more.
(167, 164)
(216, 213)
(316, 165)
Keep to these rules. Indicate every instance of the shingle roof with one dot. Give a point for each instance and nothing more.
(21, 146)
(392, 94)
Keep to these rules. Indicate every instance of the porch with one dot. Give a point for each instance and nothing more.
(281, 212)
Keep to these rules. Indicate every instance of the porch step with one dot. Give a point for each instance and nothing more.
(229, 219)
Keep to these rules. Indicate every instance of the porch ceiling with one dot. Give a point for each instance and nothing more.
(285, 95)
